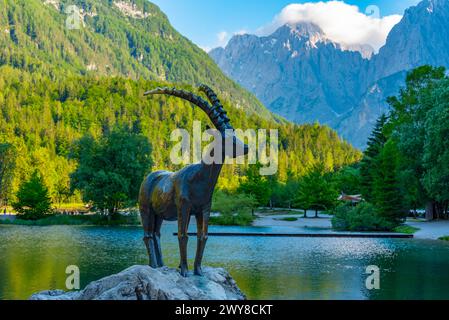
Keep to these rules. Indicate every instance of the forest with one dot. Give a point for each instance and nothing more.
(43, 120)
(79, 135)
(67, 95)
(405, 166)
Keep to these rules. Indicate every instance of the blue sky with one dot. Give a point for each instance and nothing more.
(203, 21)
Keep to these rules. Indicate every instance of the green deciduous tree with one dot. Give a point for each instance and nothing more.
(7, 162)
(408, 127)
(284, 194)
(111, 169)
(436, 147)
(316, 191)
(256, 185)
(33, 199)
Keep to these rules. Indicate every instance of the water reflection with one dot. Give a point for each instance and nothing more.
(35, 258)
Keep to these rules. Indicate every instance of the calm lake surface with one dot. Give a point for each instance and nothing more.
(35, 258)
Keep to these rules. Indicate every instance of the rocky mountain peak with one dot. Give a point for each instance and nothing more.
(426, 9)
(435, 4)
(303, 34)
(304, 30)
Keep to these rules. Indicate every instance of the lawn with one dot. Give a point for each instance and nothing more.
(80, 207)
(288, 219)
(277, 212)
(406, 229)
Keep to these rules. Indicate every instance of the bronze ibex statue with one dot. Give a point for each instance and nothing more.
(177, 196)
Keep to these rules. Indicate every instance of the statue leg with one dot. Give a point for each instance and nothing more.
(148, 222)
(157, 238)
(202, 223)
(183, 226)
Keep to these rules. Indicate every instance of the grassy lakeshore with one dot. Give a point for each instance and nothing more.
(83, 220)
(406, 229)
(129, 220)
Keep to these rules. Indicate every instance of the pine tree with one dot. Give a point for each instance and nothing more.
(376, 142)
(387, 195)
(33, 199)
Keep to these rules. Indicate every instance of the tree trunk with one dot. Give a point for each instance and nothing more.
(430, 211)
(112, 214)
(305, 213)
(446, 210)
(316, 213)
(438, 210)
(441, 210)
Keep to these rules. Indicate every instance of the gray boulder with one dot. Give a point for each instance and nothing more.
(146, 283)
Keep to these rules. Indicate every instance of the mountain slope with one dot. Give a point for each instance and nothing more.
(316, 79)
(114, 38)
(422, 37)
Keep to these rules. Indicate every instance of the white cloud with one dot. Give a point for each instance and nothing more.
(341, 22)
(207, 49)
(222, 38)
(241, 32)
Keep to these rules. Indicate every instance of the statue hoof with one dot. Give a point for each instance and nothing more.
(184, 272)
(198, 272)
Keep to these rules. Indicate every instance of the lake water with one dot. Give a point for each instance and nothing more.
(35, 258)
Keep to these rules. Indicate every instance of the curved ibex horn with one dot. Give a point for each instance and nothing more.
(214, 115)
(216, 103)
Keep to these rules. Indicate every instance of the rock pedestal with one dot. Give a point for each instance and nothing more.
(146, 283)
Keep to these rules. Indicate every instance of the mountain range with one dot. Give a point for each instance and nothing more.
(302, 75)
